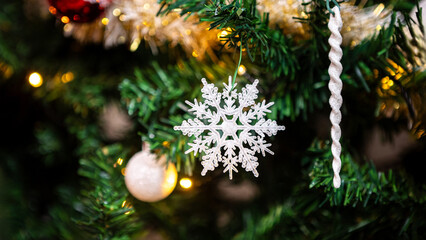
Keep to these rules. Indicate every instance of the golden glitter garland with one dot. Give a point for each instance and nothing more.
(282, 14)
(359, 23)
(362, 23)
(131, 21)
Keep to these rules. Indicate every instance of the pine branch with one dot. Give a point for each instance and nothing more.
(104, 212)
(248, 30)
(361, 184)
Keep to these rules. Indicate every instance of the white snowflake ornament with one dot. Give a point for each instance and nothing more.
(230, 126)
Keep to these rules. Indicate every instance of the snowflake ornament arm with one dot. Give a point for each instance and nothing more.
(234, 134)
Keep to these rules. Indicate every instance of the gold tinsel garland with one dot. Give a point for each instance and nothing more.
(358, 23)
(130, 21)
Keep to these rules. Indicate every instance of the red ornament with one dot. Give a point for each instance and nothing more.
(79, 11)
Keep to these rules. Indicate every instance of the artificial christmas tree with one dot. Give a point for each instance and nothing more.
(66, 141)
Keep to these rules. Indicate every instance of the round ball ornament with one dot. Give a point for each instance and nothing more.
(149, 179)
(79, 11)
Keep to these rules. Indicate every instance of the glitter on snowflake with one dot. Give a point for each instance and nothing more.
(238, 130)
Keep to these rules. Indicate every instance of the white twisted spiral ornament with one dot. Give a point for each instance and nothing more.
(335, 86)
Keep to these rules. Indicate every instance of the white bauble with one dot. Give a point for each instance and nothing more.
(149, 179)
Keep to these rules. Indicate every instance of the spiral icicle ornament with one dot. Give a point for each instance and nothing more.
(335, 85)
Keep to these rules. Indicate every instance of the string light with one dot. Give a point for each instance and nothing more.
(116, 12)
(185, 183)
(166, 144)
(135, 44)
(5, 70)
(396, 105)
(222, 34)
(119, 161)
(386, 83)
(105, 21)
(122, 17)
(65, 19)
(35, 79)
(68, 27)
(52, 10)
(379, 9)
(241, 70)
(67, 77)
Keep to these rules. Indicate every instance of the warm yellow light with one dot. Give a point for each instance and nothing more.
(194, 54)
(67, 77)
(52, 10)
(135, 44)
(166, 144)
(119, 161)
(67, 27)
(396, 105)
(378, 28)
(185, 183)
(116, 12)
(122, 17)
(398, 76)
(105, 21)
(65, 19)
(386, 83)
(379, 9)
(392, 63)
(5, 70)
(241, 70)
(123, 204)
(35, 79)
(385, 80)
(376, 73)
(390, 71)
(222, 34)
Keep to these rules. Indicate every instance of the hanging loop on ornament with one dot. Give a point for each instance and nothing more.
(145, 146)
(328, 6)
(238, 66)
